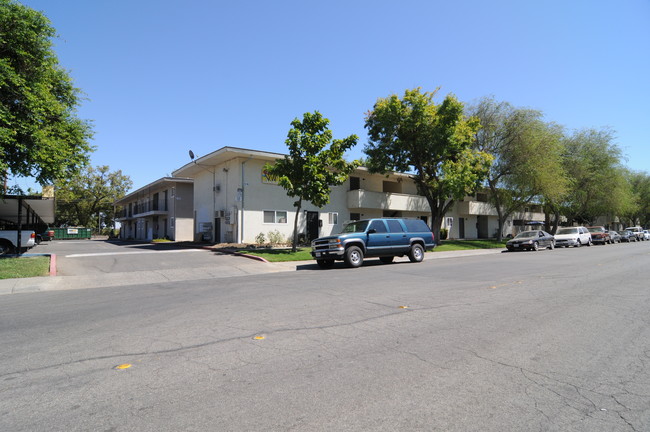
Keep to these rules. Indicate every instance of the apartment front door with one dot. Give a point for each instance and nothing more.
(312, 225)
(482, 226)
(461, 227)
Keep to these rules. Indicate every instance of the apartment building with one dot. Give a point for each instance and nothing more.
(161, 209)
(235, 202)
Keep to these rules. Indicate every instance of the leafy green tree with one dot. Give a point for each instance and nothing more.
(40, 135)
(315, 163)
(432, 142)
(527, 156)
(597, 182)
(637, 209)
(83, 198)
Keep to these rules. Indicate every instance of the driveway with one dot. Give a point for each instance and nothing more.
(99, 263)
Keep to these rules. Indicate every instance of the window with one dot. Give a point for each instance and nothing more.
(378, 225)
(394, 226)
(333, 218)
(275, 216)
(355, 216)
(355, 183)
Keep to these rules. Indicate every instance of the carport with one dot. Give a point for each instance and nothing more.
(21, 212)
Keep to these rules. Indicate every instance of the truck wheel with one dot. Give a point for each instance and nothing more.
(325, 263)
(5, 248)
(353, 257)
(386, 260)
(416, 254)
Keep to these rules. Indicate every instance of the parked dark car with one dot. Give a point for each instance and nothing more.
(531, 240)
(627, 236)
(616, 237)
(599, 235)
(47, 235)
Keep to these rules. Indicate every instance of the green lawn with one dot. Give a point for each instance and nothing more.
(280, 255)
(453, 245)
(11, 268)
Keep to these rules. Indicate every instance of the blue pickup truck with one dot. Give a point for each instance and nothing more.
(385, 238)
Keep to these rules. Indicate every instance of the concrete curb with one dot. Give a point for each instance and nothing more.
(52, 264)
(239, 254)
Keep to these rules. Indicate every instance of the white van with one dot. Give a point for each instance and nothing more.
(572, 236)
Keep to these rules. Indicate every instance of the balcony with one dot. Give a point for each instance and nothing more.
(475, 208)
(478, 208)
(149, 208)
(123, 215)
(362, 199)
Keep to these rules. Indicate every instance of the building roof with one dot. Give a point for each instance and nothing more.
(222, 155)
(225, 154)
(153, 185)
(42, 207)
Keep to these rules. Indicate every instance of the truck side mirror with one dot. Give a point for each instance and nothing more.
(372, 231)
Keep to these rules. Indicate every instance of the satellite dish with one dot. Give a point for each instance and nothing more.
(191, 155)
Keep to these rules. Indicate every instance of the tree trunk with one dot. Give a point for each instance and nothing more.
(295, 226)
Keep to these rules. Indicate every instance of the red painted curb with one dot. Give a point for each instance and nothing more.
(52, 264)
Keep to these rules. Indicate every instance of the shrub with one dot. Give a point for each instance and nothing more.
(276, 238)
(260, 239)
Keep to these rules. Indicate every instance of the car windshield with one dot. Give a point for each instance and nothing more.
(567, 231)
(595, 230)
(357, 226)
(527, 234)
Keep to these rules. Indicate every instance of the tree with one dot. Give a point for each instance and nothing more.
(527, 156)
(83, 199)
(40, 135)
(636, 209)
(311, 167)
(597, 183)
(432, 142)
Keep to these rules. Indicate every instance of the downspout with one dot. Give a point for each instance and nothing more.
(243, 187)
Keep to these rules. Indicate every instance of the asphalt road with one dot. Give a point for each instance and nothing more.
(551, 340)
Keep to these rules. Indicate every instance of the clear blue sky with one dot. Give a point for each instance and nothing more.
(163, 77)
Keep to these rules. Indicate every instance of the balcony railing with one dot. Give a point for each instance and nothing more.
(359, 198)
(142, 208)
(479, 208)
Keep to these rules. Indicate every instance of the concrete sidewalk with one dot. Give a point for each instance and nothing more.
(246, 266)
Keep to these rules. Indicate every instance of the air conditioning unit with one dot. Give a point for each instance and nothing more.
(217, 188)
(220, 213)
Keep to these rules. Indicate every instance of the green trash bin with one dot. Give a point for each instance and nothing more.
(71, 233)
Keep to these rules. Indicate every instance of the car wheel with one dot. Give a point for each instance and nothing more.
(325, 263)
(416, 254)
(535, 246)
(551, 246)
(353, 257)
(589, 242)
(386, 260)
(578, 244)
(5, 248)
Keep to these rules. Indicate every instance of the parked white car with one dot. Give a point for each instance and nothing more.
(646, 235)
(637, 231)
(572, 236)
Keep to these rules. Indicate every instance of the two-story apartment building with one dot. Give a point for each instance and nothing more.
(234, 202)
(161, 209)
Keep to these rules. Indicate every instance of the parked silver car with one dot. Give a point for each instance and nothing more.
(616, 237)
